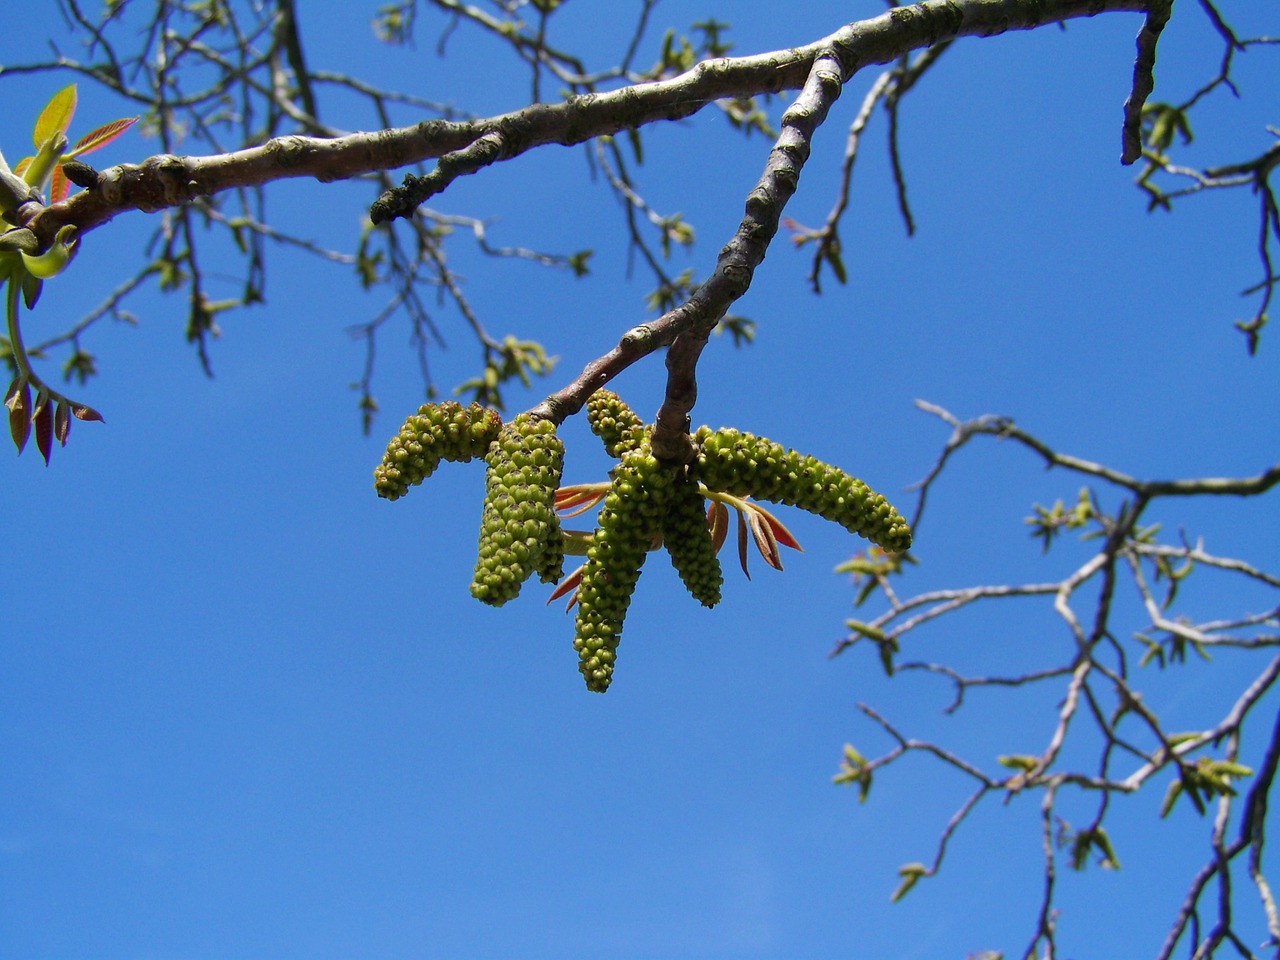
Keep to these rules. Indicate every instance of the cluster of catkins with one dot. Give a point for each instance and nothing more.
(519, 532)
(648, 503)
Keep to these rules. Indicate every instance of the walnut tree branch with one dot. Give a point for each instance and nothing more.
(741, 255)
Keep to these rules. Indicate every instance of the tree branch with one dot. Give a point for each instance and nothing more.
(166, 180)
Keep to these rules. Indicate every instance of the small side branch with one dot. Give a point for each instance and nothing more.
(740, 257)
(1143, 79)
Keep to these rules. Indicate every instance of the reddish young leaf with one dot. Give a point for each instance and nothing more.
(742, 544)
(569, 498)
(577, 493)
(780, 533)
(43, 421)
(764, 539)
(59, 186)
(83, 412)
(101, 136)
(570, 582)
(61, 422)
(718, 523)
(56, 115)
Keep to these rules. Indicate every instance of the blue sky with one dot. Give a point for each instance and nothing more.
(249, 710)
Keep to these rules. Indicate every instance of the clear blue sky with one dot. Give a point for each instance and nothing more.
(249, 710)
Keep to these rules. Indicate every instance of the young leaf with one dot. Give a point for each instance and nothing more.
(54, 260)
(570, 582)
(101, 136)
(1018, 761)
(866, 630)
(637, 148)
(31, 287)
(742, 545)
(58, 185)
(577, 543)
(82, 412)
(718, 522)
(1103, 843)
(780, 533)
(61, 422)
(578, 499)
(56, 115)
(832, 256)
(764, 539)
(1080, 846)
(43, 421)
(18, 400)
(909, 873)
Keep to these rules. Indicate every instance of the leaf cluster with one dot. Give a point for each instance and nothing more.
(24, 267)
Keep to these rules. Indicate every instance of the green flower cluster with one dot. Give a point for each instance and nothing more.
(614, 422)
(630, 518)
(519, 532)
(648, 503)
(438, 431)
(743, 464)
(688, 541)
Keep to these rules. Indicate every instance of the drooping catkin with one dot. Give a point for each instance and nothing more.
(615, 423)
(743, 464)
(438, 431)
(630, 517)
(688, 540)
(519, 532)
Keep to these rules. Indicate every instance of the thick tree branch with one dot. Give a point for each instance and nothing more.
(164, 180)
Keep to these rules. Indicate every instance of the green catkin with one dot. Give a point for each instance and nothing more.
(688, 541)
(438, 431)
(630, 516)
(743, 464)
(614, 422)
(519, 532)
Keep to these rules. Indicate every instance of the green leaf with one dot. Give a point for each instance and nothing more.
(79, 366)
(31, 287)
(910, 873)
(832, 255)
(637, 148)
(1103, 843)
(866, 630)
(1018, 761)
(54, 260)
(854, 769)
(1086, 840)
(56, 116)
